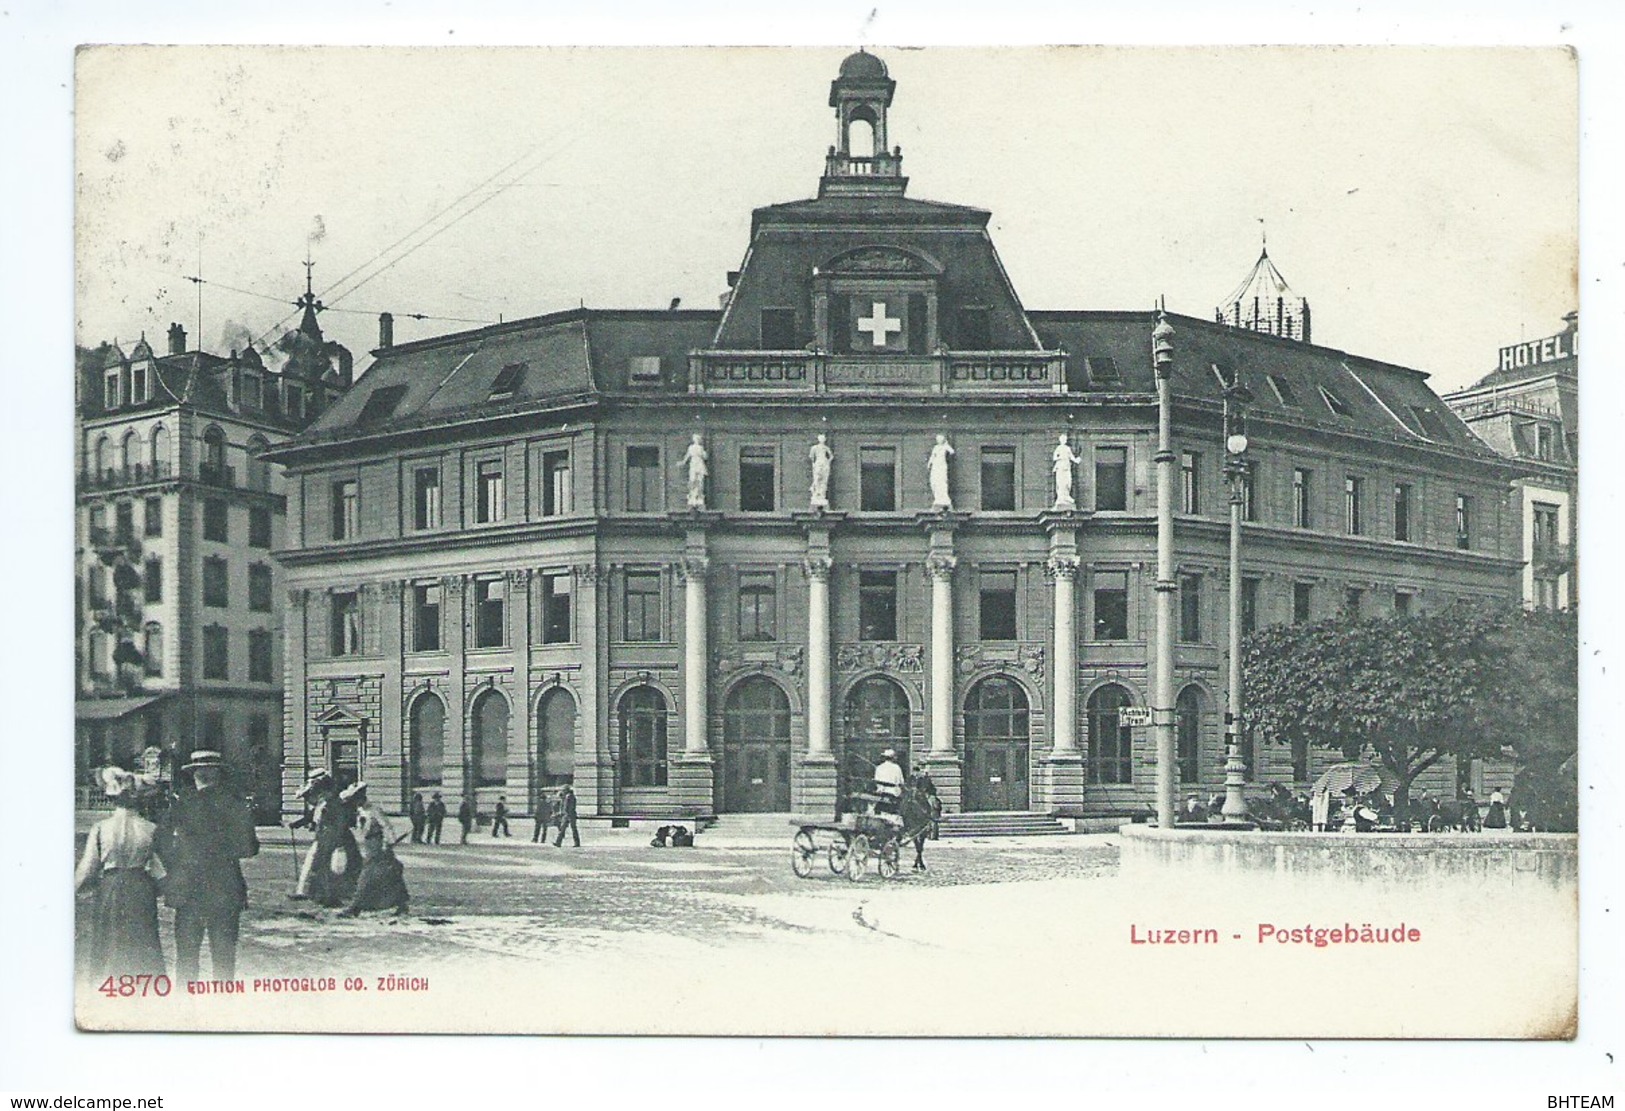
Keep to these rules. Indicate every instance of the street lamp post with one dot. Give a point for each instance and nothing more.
(1162, 696)
(1236, 397)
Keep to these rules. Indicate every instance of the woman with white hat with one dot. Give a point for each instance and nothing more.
(330, 818)
(119, 862)
(383, 881)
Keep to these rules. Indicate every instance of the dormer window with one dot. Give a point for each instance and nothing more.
(138, 384)
(507, 382)
(110, 393)
(1283, 390)
(644, 369)
(253, 391)
(1103, 370)
(1335, 404)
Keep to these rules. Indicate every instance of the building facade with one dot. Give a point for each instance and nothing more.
(716, 561)
(178, 623)
(1527, 409)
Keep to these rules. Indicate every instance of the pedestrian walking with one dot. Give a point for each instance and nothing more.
(119, 863)
(543, 819)
(466, 816)
(499, 819)
(566, 816)
(435, 818)
(1496, 816)
(332, 866)
(383, 880)
(206, 831)
(418, 815)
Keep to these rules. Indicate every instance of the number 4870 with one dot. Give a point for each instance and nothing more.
(126, 987)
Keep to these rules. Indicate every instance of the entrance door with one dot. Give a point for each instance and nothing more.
(877, 718)
(996, 746)
(344, 756)
(756, 749)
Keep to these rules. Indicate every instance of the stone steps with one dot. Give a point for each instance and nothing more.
(1011, 824)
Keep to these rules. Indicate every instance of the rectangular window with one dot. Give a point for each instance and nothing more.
(643, 492)
(556, 608)
(1402, 511)
(138, 385)
(152, 516)
(1353, 600)
(1111, 605)
(152, 579)
(643, 368)
(1111, 478)
(1190, 608)
(216, 660)
(344, 630)
(758, 606)
(1249, 606)
(779, 330)
(110, 392)
(346, 509)
(915, 324)
(253, 391)
(642, 599)
(426, 498)
(877, 605)
(490, 502)
(555, 483)
(1249, 493)
(999, 478)
(1301, 517)
(1545, 593)
(877, 479)
(1190, 482)
(1303, 596)
(757, 481)
(296, 403)
(1544, 442)
(1300, 759)
(1353, 494)
(259, 527)
(214, 520)
(259, 656)
(214, 730)
(997, 605)
(1402, 603)
(152, 654)
(1464, 521)
(259, 587)
(490, 612)
(124, 522)
(1545, 537)
(426, 617)
(975, 329)
(215, 590)
(96, 585)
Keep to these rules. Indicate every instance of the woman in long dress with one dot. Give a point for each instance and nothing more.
(330, 818)
(120, 864)
(383, 880)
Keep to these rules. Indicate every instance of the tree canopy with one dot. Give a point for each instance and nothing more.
(1475, 681)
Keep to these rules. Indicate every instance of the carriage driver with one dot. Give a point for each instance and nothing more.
(889, 784)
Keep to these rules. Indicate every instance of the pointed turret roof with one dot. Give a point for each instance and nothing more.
(1264, 302)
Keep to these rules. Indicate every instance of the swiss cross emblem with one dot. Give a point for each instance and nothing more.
(879, 325)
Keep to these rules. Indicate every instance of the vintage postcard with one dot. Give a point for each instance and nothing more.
(706, 541)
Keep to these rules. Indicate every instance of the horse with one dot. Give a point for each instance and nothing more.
(920, 810)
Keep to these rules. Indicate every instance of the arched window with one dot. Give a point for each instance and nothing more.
(996, 745)
(100, 457)
(877, 718)
(556, 738)
(860, 135)
(152, 648)
(130, 452)
(259, 471)
(1111, 743)
(427, 736)
(214, 453)
(490, 741)
(1188, 733)
(643, 738)
(160, 450)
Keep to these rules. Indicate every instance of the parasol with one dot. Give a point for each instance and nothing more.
(1356, 779)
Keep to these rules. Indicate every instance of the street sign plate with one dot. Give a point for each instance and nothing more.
(1134, 715)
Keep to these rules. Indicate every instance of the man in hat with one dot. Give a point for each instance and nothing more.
(205, 833)
(889, 783)
(435, 818)
(564, 812)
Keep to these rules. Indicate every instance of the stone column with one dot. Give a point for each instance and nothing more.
(940, 568)
(594, 773)
(1060, 773)
(521, 767)
(695, 655)
(818, 653)
(1064, 718)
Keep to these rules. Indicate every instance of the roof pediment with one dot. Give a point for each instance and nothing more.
(881, 259)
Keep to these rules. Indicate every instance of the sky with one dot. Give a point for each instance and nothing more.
(1423, 200)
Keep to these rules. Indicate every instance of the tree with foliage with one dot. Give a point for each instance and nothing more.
(1471, 681)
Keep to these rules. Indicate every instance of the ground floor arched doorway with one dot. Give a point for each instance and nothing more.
(996, 746)
(755, 749)
(876, 717)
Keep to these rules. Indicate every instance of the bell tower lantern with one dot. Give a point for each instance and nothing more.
(860, 164)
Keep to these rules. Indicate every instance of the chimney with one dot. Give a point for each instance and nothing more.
(177, 340)
(386, 329)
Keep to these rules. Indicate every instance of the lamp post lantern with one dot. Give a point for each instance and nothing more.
(1236, 397)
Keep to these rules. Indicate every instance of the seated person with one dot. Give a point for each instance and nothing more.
(889, 787)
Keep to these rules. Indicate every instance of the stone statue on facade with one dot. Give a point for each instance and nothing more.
(937, 471)
(1063, 459)
(695, 460)
(820, 454)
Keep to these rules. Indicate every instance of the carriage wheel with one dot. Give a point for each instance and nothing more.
(857, 857)
(801, 854)
(837, 855)
(886, 860)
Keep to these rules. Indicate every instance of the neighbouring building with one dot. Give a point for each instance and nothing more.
(716, 561)
(1527, 409)
(178, 622)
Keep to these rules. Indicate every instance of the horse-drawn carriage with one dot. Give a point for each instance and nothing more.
(865, 835)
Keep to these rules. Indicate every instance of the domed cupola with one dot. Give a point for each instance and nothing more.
(860, 164)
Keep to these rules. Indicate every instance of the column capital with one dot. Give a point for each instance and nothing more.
(1062, 567)
(940, 565)
(817, 567)
(588, 573)
(519, 577)
(297, 596)
(693, 568)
